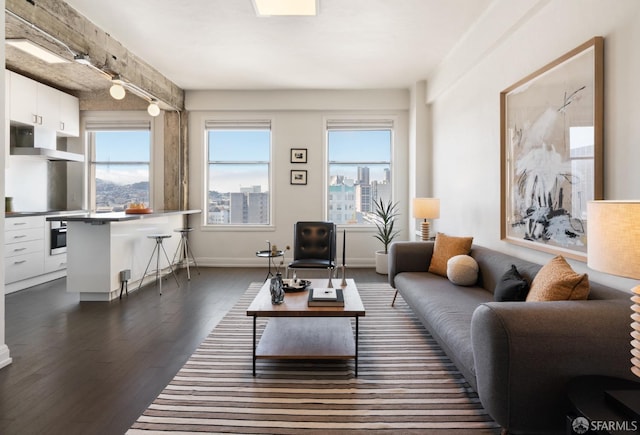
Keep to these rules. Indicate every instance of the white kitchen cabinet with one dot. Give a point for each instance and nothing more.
(48, 107)
(23, 222)
(23, 106)
(22, 267)
(33, 103)
(54, 263)
(24, 248)
(69, 124)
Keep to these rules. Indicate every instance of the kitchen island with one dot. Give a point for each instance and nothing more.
(101, 245)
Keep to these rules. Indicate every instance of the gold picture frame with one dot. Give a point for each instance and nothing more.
(551, 146)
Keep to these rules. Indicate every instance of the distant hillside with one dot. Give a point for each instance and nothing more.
(108, 185)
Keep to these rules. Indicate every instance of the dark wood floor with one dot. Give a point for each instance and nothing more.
(93, 367)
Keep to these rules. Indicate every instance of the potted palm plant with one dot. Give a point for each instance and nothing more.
(385, 218)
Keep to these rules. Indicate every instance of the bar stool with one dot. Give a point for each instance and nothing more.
(184, 249)
(156, 252)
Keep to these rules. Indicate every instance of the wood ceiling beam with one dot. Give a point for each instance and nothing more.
(64, 23)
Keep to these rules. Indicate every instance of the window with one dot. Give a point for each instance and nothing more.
(238, 186)
(359, 154)
(120, 165)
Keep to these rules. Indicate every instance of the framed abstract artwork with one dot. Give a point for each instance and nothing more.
(551, 137)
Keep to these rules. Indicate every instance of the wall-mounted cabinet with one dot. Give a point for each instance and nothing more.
(38, 105)
(69, 124)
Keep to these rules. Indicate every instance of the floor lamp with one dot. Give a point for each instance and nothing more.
(426, 208)
(613, 237)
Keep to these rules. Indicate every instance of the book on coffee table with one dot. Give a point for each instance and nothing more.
(326, 297)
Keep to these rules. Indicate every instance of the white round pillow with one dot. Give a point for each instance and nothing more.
(462, 270)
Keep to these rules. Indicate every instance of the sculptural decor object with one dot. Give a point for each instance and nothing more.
(277, 290)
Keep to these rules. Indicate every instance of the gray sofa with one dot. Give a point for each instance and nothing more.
(518, 356)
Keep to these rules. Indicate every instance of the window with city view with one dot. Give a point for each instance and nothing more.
(359, 170)
(120, 168)
(238, 190)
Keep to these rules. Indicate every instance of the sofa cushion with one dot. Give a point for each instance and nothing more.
(446, 311)
(446, 247)
(512, 287)
(557, 281)
(462, 270)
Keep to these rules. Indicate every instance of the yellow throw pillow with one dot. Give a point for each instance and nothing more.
(557, 281)
(446, 247)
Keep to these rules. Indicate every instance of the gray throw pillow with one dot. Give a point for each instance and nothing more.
(511, 287)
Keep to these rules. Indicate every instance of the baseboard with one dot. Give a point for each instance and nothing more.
(5, 359)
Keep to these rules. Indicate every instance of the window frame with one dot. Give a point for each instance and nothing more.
(240, 124)
(358, 123)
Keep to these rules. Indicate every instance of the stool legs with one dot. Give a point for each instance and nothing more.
(156, 252)
(185, 253)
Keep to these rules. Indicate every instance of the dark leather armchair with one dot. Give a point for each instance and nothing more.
(314, 246)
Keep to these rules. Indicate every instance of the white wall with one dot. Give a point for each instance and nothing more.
(5, 359)
(297, 122)
(512, 40)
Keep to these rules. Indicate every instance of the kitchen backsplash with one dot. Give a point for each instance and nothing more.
(39, 185)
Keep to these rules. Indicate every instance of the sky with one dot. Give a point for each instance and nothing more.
(249, 146)
(118, 146)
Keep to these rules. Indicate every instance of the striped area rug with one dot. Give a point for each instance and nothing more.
(405, 383)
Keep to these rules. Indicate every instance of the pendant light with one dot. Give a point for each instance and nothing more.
(116, 90)
(153, 109)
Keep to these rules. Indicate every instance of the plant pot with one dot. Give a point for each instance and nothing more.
(382, 263)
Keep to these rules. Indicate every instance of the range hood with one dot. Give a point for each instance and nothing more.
(40, 143)
(46, 153)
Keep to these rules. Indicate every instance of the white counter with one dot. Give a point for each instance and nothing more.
(99, 246)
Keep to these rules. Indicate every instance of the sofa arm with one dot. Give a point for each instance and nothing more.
(526, 352)
(409, 257)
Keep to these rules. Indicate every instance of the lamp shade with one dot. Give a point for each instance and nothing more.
(613, 235)
(426, 208)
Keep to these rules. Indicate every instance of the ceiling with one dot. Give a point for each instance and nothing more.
(222, 44)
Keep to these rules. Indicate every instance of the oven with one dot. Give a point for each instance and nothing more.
(58, 237)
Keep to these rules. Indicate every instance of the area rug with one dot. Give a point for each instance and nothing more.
(405, 383)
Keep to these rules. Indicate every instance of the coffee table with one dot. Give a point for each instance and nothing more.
(298, 331)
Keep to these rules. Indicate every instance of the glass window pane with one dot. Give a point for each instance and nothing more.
(238, 179)
(239, 145)
(359, 174)
(122, 146)
(238, 194)
(359, 145)
(121, 166)
(120, 184)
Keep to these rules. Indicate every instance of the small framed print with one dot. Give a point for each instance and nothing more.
(298, 177)
(298, 155)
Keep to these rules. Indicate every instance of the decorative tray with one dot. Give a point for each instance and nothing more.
(138, 210)
(289, 287)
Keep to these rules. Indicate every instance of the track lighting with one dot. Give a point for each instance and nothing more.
(120, 86)
(153, 109)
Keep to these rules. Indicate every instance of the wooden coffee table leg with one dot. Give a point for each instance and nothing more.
(254, 345)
